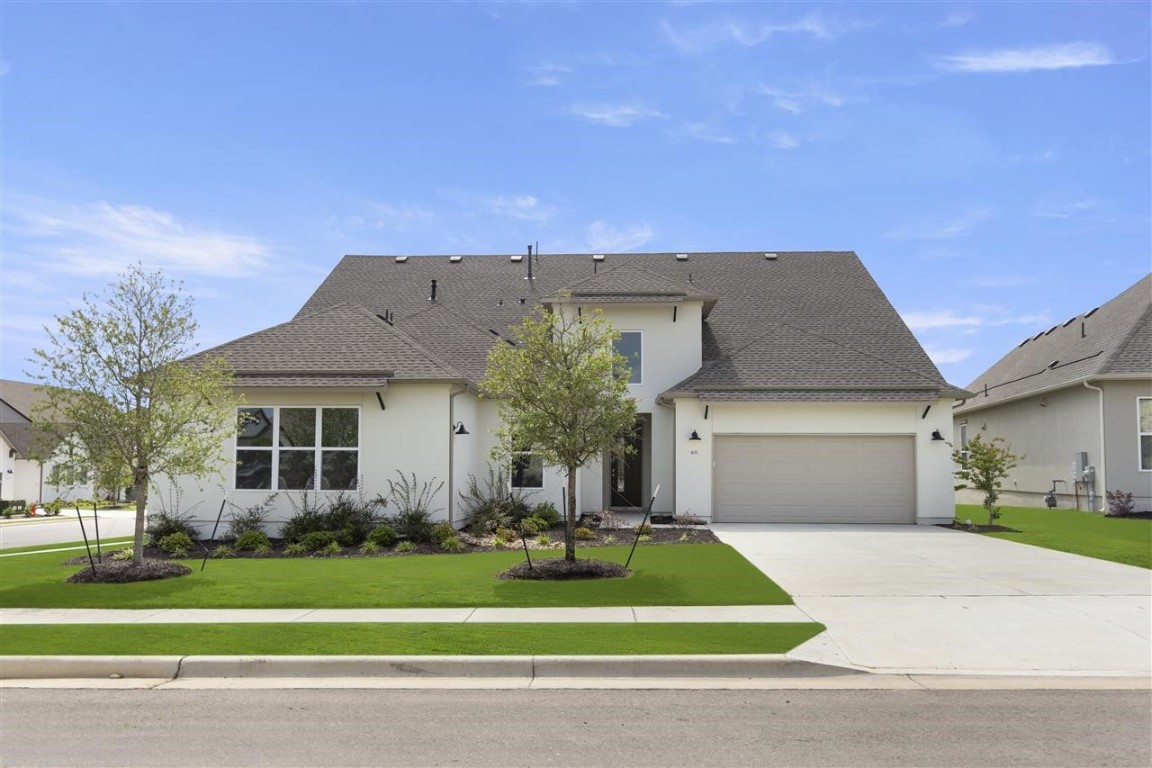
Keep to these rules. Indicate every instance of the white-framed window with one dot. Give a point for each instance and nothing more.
(963, 443)
(1144, 426)
(293, 448)
(631, 346)
(527, 470)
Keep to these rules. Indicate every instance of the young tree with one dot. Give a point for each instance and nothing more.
(561, 394)
(113, 381)
(982, 465)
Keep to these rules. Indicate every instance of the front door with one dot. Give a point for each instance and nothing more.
(626, 471)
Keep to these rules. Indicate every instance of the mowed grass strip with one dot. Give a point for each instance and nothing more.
(669, 574)
(402, 639)
(106, 545)
(1121, 540)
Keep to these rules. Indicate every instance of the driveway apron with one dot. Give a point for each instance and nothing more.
(907, 599)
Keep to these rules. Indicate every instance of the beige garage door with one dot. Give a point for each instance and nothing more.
(814, 479)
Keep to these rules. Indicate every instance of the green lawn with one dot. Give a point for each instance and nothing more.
(1120, 540)
(403, 639)
(119, 542)
(681, 574)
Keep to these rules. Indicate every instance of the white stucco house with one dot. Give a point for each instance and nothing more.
(779, 387)
(29, 469)
(1076, 401)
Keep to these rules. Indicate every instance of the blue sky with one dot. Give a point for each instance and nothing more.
(989, 162)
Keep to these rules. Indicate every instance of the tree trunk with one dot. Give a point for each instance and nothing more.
(140, 490)
(570, 523)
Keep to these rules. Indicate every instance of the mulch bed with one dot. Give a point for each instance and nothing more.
(124, 571)
(559, 569)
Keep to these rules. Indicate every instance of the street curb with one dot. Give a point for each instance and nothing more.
(519, 667)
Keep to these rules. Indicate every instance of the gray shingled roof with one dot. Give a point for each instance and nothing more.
(1113, 340)
(802, 322)
(21, 396)
(339, 345)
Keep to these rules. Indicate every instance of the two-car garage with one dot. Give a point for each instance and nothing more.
(814, 479)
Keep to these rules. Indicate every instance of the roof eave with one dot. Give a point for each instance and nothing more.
(1080, 381)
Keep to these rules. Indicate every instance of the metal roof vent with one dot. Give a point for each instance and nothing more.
(401, 259)
(681, 257)
(517, 258)
(771, 256)
(1091, 312)
(455, 259)
(1053, 364)
(597, 257)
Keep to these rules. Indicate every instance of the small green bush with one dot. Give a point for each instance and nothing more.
(451, 544)
(441, 532)
(120, 555)
(508, 534)
(369, 547)
(317, 540)
(544, 540)
(499, 542)
(252, 541)
(585, 534)
(295, 550)
(609, 538)
(382, 536)
(223, 551)
(546, 512)
(332, 548)
(529, 526)
(249, 519)
(644, 529)
(405, 546)
(162, 524)
(644, 537)
(176, 544)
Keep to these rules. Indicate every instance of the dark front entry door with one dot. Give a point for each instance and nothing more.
(625, 479)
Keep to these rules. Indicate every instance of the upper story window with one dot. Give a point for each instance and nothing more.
(630, 345)
(286, 449)
(1145, 427)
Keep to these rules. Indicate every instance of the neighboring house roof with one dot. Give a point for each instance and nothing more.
(20, 399)
(1112, 341)
(20, 396)
(778, 325)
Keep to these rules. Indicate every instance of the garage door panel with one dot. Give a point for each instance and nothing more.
(817, 478)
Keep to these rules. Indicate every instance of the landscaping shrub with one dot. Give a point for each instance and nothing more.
(585, 534)
(176, 544)
(529, 526)
(499, 542)
(307, 517)
(508, 534)
(540, 523)
(382, 536)
(332, 548)
(441, 532)
(405, 546)
(544, 540)
(252, 541)
(489, 504)
(163, 524)
(644, 529)
(451, 544)
(369, 547)
(413, 503)
(315, 541)
(223, 551)
(1120, 504)
(546, 512)
(295, 550)
(12, 507)
(347, 518)
(249, 519)
(120, 555)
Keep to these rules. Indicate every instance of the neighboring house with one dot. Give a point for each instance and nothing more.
(29, 469)
(770, 387)
(1074, 396)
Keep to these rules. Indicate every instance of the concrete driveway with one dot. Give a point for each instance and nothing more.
(906, 599)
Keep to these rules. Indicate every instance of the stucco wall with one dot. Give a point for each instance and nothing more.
(1122, 442)
(694, 461)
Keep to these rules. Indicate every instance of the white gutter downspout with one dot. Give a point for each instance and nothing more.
(1100, 476)
(457, 389)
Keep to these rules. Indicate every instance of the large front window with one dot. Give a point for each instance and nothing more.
(1145, 433)
(527, 470)
(297, 449)
(630, 346)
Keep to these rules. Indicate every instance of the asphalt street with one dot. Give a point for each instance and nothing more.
(66, 528)
(574, 728)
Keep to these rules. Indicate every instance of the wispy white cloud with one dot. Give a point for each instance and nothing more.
(784, 140)
(1088, 206)
(956, 19)
(615, 115)
(602, 237)
(402, 217)
(973, 318)
(521, 208)
(796, 100)
(708, 133)
(1062, 56)
(547, 74)
(941, 229)
(701, 38)
(944, 355)
(101, 238)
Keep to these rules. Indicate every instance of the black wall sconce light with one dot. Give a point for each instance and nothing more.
(936, 435)
(460, 429)
(695, 436)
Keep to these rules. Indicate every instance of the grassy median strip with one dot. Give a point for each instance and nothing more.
(1121, 540)
(679, 574)
(403, 639)
(119, 542)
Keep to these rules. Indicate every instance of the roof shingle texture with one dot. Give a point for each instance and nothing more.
(803, 320)
(1113, 340)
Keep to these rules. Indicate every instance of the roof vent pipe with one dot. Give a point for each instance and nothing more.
(529, 262)
(433, 296)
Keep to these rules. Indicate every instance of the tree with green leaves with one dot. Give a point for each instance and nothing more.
(982, 465)
(114, 381)
(563, 392)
